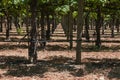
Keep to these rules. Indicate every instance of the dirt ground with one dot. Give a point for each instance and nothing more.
(57, 62)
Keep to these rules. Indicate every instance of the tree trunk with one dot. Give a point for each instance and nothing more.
(67, 26)
(79, 30)
(10, 23)
(16, 22)
(1, 26)
(87, 27)
(74, 24)
(64, 25)
(71, 29)
(43, 32)
(27, 25)
(8, 29)
(53, 24)
(33, 33)
(112, 27)
(92, 24)
(38, 22)
(48, 28)
(102, 25)
(117, 25)
(27, 28)
(98, 25)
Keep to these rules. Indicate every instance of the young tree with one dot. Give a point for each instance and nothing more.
(1, 26)
(71, 28)
(87, 26)
(79, 30)
(33, 32)
(98, 25)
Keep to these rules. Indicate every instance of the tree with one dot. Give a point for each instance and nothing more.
(98, 25)
(79, 30)
(1, 26)
(43, 32)
(87, 26)
(33, 33)
(71, 28)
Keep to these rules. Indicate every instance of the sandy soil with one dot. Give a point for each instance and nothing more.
(57, 62)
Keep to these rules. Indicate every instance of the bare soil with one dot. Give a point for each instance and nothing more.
(57, 62)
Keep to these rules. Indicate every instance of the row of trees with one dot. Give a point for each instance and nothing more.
(36, 14)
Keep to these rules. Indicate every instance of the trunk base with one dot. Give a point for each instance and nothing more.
(7, 40)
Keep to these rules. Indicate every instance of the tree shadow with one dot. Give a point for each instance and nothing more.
(2, 39)
(8, 46)
(85, 48)
(19, 66)
(109, 67)
(11, 62)
(59, 47)
(13, 39)
(91, 48)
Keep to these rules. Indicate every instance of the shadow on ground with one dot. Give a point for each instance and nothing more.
(61, 47)
(91, 48)
(108, 67)
(85, 48)
(8, 46)
(19, 66)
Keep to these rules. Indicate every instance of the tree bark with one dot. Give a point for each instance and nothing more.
(117, 25)
(98, 25)
(33, 33)
(112, 26)
(64, 24)
(27, 28)
(48, 28)
(74, 24)
(92, 24)
(102, 25)
(103, 30)
(71, 29)
(79, 30)
(10, 23)
(43, 32)
(53, 24)
(8, 29)
(1, 26)
(16, 22)
(87, 27)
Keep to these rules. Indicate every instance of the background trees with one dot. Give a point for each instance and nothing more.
(95, 15)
